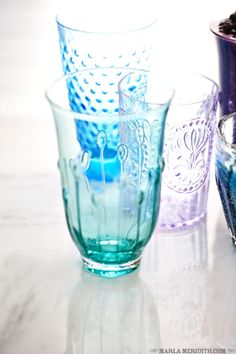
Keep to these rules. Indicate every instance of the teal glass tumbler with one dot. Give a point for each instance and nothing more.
(110, 219)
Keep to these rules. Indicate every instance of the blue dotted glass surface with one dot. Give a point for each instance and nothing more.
(80, 51)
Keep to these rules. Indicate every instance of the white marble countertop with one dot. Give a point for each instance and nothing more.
(183, 296)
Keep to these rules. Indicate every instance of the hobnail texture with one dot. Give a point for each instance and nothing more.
(82, 50)
(95, 95)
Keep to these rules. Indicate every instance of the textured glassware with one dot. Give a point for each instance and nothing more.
(226, 169)
(116, 43)
(188, 146)
(98, 320)
(226, 45)
(187, 149)
(86, 42)
(110, 215)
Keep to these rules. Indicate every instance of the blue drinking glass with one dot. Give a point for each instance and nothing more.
(110, 42)
(110, 218)
(226, 169)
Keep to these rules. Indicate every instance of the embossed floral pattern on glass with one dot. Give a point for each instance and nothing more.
(188, 144)
(110, 214)
(187, 151)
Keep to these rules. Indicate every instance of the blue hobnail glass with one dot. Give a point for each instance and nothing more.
(82, 49)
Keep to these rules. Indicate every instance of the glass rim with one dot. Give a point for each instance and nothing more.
(114, 116)
(183, 76)
(201, 76)
(219, 132)
(132, 30)
(153, 104)
(214, 27)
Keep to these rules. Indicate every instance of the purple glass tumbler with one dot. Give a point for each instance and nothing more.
(188, 144)
(189, 138)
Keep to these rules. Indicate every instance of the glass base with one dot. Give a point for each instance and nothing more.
(233, 238)
(110, 270)
(181, 224)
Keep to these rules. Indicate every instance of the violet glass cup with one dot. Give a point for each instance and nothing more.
(226, 45)
(187, 147)
(189, 139)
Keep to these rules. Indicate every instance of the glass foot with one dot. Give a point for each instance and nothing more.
(233, 238)
(182, 224)
(111, 270)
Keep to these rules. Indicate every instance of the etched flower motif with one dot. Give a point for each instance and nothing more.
(187, 152)
(136, 135)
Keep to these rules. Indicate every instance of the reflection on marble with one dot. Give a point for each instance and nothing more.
(182, 305)
(222, 292)
(180, 264)
(112, 316)
(176, 251)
